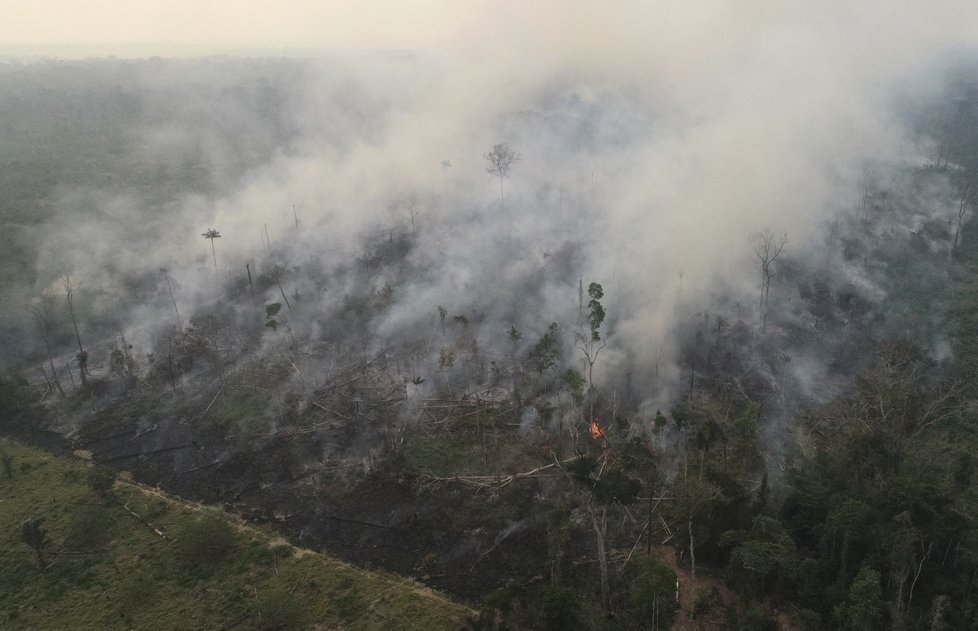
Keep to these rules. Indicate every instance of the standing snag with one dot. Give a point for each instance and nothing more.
(767, 247)
(82, 356)
(41, 310)
(501, 160)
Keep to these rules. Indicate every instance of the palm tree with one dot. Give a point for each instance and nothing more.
(212, 234)
(34, 535)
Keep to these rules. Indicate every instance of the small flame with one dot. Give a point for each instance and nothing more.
(596, 431)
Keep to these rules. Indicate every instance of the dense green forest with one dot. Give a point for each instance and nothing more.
(467, 376)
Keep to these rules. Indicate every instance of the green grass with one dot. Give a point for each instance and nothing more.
(106, 569)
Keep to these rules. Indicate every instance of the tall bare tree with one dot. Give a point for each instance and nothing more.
(767, 248)
(82, 356)
(966, 197)
(169, 287)
(501, 159)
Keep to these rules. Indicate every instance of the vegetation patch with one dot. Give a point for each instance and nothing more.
(78, 557)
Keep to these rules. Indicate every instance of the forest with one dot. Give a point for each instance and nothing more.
(580, 355)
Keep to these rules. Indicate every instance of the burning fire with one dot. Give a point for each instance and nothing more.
(596, 431)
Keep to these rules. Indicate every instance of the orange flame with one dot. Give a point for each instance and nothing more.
(596, 431)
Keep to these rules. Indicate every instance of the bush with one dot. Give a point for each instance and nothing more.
(15, 398)
(101, 480)
(559, 609)
(706, 601)
(756, 619)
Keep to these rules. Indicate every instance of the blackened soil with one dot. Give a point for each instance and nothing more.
(454, 537)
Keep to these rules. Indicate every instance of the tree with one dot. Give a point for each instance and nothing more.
(651, 587)
(169, 287)
(102, 480)
(35, 536)
(767, 247)
(82, 356)
(41, 310)
(589, 342)
(963, 205)
(559, 609)
(606, 485)
(543, 355)
(863, 608)
(211, 235)
(501, 160)
(122, 362)
(694, 502)
(765, 560)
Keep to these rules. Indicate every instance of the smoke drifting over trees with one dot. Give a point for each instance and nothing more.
(620, 181)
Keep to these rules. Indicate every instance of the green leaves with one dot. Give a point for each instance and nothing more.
(544, 353)
(765, 558)
(595, 311)
(36, 536)
(863, 608)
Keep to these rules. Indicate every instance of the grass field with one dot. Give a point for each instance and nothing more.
(121, 556)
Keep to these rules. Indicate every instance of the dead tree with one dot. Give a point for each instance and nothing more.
(963, 206)
(41, 310)
(767, 248)
(599, 521)
(501, 160)
(169, 287)
(82, 356)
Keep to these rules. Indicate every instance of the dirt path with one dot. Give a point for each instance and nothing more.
(270, 538)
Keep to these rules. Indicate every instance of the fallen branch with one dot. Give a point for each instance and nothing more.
(207, 409)
(499, 481)
(149, 525)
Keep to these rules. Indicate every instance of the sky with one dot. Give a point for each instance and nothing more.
(226, 26)
(672, 30)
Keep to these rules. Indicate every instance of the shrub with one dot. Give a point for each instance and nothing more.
(559, 609)
(101, 480)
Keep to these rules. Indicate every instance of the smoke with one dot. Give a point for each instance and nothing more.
(652, 142)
